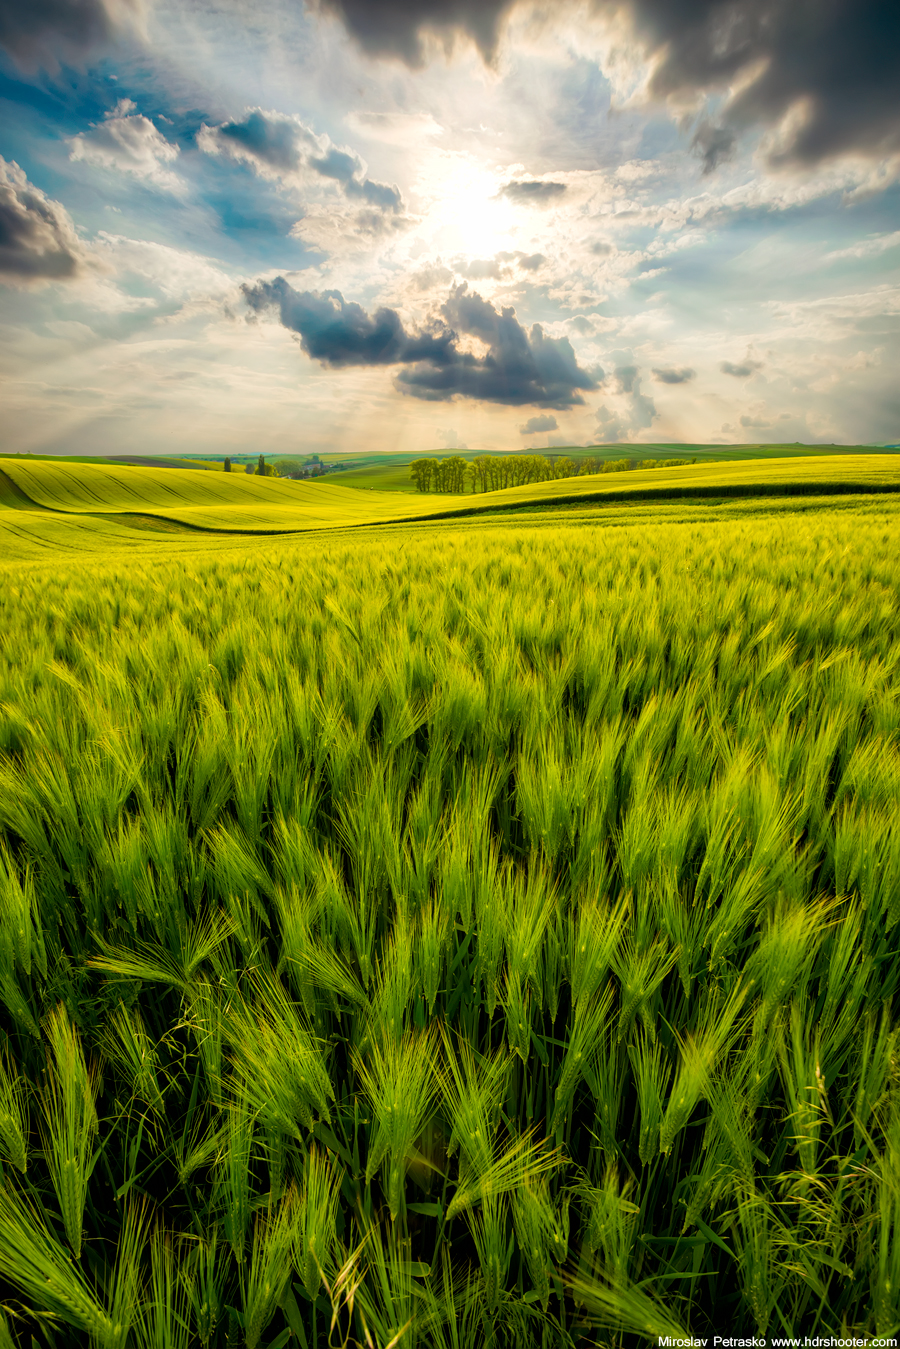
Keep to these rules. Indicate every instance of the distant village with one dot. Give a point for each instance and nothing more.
(310, 470)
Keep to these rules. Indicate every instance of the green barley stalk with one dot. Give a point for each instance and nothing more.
(13, 1113)
(125, 1042)
(398, 1077)
(164, 1318)
(70, 1121)
(652, 1070)
(542, 1233)
(263, 1284)
(200, 1276)
(314, 1229)
(33, 1260)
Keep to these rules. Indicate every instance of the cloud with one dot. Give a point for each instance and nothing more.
(177, 273)
(866, 248)
(42, 32)
(756, 423)
(129, 143)
(483, 269)
(612, 427)
(635, 414)
(279, 146)
(428, 278)
(516, 367)
(823, 77)
(741, 371)
(450, 440)
(497, 267)
(532, 192)
(37, 237)
(713, 144)
(396, 27)
(673, 375)
(625, 377)
(544, 422)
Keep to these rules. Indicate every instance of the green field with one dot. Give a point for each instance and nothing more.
(56, 505)
(449, 932)
(380, 477)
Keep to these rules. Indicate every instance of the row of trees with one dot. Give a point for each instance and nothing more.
(487, 474)
(263, 469)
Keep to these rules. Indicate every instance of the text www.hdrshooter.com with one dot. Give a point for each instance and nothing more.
(776, 1342)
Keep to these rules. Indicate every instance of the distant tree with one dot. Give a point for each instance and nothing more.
(227, 464)
(480, 473)
(422, 471)
(455, 473)
(261, 468)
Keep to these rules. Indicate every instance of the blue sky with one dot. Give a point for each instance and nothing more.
(229, 227)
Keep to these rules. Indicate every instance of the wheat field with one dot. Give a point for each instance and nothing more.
(467, 934)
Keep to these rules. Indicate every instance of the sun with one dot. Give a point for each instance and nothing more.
(469, 215)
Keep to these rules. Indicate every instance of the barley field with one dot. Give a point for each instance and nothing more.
(445, 935)
(48, 505)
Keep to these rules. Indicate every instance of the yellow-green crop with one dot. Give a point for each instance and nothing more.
(452, 934)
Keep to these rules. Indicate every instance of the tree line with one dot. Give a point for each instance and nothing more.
(489, 474)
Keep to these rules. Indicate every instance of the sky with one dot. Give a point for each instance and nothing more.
(418, 225)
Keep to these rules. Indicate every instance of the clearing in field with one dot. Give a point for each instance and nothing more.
(468, 931)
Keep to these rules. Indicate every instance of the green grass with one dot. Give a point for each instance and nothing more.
(380, 478)
(456, 933)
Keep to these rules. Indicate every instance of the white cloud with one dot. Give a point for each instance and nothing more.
(449, 440)
(176, 273)
(127, 142)
(866, 248)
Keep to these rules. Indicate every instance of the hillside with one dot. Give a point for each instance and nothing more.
(52, 504)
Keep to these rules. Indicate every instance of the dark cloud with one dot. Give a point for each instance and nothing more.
(530, 262)
(280, 146)
(601, 249)
(835, 62)
(340, 333)
(741, 371)
(713, 144)
(43, 32)
(834, 66)
(532, 192)
(396, 27)
(260, 137)
(380, 195)
(518, 366)
(37, 237)
(545, 422)
(674, 376)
